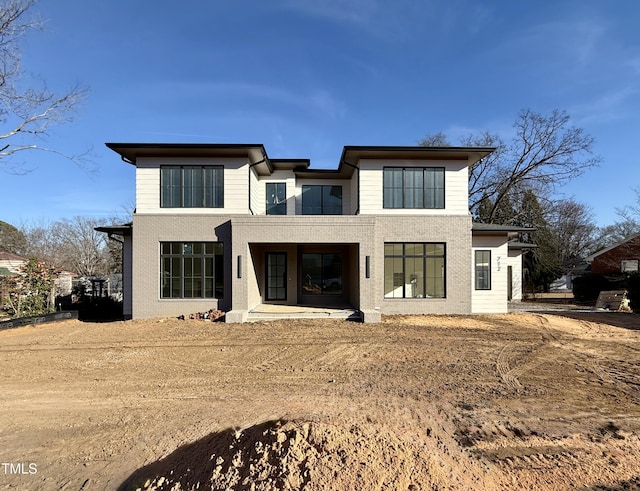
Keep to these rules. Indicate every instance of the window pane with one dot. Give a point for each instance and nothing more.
(311, 200)
(312, 274)
(276, 202)
(414, 277)
(413, 188)
(434, 249)
(483, 270)
(332, 274)
(170, 186)
(434, 188)
(393, 189)
(393, 249)
(332, 200)
(435, 277)
(193, 187)
(191, 270)
(213, 186)
(414, 249)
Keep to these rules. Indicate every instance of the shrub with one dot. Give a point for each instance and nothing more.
(587, 287)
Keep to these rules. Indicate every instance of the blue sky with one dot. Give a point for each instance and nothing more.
(306, 77)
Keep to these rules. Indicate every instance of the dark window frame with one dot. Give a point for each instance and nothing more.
(481, 282)
(400, 279)
(327, 273)
(422, 197)
(323, 208)
(203, 260)
(279, 208)
(177, 192)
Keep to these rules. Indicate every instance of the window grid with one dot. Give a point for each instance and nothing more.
(191, 186)
(191, 270)
(413, 187)
(414, 270)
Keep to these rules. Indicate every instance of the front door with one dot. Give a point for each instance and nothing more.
(276, 276)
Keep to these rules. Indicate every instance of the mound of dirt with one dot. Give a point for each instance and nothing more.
(294, 455)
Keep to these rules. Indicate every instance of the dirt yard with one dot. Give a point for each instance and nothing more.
(517, 401)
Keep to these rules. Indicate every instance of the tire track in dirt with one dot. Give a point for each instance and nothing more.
(537, 458)
(508, 373)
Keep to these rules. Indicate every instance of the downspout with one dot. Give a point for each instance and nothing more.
(358, 183)
(250, 167)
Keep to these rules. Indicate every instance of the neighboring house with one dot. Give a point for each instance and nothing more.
(11, 262)
(388, 232)
(623, 257)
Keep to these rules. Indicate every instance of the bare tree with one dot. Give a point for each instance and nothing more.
(573, 230)
(83, 250)
(27, 107)
(545, 153)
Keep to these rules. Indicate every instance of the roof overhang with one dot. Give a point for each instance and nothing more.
(521, 245)
(255, 153)
(470, 154)
(480, 229)
(123, 230)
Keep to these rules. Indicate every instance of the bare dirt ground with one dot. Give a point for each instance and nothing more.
(515, 401)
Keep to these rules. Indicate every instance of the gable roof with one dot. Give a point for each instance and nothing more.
(590, 258)
(8, 256)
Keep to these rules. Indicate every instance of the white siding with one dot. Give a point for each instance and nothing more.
(494, 300)
(257, 198)
(515, 261)
(346, 192)
(236, 186)
(456, 182)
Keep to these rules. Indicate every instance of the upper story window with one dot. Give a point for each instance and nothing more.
(413, 187)
(191, 186)
(322, 200)
(276, 198)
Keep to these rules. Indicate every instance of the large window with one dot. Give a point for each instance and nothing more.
(276, 198)
(483, 270)
(322, 200)
(414, 270)
(321, 274)
(191, 270)
(413, 187)
(192, 186)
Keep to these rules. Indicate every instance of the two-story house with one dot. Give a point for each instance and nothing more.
(387, 232)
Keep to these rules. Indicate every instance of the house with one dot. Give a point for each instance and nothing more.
(622, 257)
(11, 263)
(386, 232)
